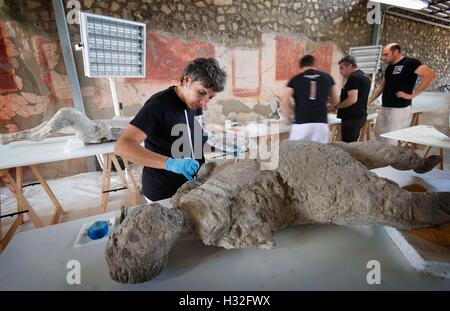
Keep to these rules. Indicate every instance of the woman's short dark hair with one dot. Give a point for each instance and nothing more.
(348, 60)
(208, 72)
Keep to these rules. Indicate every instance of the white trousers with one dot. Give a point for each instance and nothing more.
(391, 119)
(318, 132)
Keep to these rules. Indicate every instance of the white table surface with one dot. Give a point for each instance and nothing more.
(310, 257)
(254, 130)
(421, 134)
(52, 149)
(419, 109)
(333, 119)
(431, 102)
(434, 180)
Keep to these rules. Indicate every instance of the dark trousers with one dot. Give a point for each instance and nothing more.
(350, 128)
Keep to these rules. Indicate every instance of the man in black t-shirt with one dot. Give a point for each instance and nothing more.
(398, 90)
(352, 108)
(167, 121)
(311, 90)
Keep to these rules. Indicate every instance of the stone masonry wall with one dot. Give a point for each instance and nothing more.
(430, 44)
(228, 26)
(266, 37)
(239, 22)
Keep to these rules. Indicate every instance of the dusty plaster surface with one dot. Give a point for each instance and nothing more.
(89, 131)
(237, 205)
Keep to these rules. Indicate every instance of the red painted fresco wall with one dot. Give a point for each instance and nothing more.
(30, 84)
(57, 88)
(7, 83)
(324, 57)
(167, 57)
(288, 51)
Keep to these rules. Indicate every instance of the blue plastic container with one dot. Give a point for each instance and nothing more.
(98, 229)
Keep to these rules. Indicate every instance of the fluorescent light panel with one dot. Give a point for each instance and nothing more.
(367, 57)
(407, 4)
(112, 47)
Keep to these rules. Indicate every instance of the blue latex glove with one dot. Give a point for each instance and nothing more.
(185, 166)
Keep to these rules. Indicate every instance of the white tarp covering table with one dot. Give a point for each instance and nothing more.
(425, 135)
(423, 255)
(421, 134)
(22, 154)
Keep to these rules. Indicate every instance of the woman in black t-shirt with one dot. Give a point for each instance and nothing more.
(159, 123)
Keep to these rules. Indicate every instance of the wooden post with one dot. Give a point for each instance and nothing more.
(58, 209)
(22, 204)
(105, 182)
(122, 177)
(19, 180)
(415, 119)
(12, 186)
(427, 150)
(414, 122)
(363, 132)
(130, 174)
(335, 132)
(9, 234)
